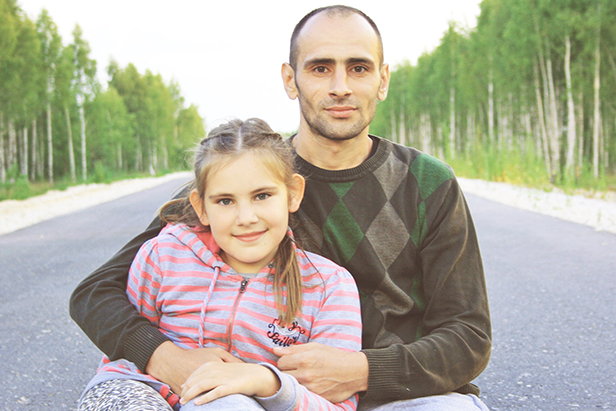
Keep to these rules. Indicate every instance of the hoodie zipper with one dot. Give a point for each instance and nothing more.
(232, 317)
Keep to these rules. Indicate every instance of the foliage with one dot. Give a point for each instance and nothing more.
(59, 126)
(527, 96)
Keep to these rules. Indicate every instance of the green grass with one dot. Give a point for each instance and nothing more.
(19, 188)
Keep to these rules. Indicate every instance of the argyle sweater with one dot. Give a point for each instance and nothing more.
(400, 224)
(180, 284)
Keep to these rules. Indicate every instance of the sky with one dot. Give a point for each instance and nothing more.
(226, 56)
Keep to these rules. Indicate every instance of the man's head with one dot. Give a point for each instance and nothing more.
(342, 11)
(337, 72)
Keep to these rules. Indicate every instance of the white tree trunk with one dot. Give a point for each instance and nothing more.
(49, 146)
(491, 109)
(119, 151)
(71, 150)
(33, 151)
(452, 122)
(542, 127)
(12, 154)
(597, 109)
(24, 153)
(82, 121)
(553, 118)
(2, 159)
(571, 127)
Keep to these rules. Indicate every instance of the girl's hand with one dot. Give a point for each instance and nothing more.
(220, 379)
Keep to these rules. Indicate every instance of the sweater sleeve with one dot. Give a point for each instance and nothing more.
(338, 324)
(99, 306)
(456, 335)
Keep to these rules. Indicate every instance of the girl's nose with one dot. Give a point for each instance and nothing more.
(246, 215)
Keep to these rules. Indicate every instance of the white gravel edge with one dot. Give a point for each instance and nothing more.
(597, 213)
(17, 214)
(577, 208)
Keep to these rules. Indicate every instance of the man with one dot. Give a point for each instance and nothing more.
(394, 217)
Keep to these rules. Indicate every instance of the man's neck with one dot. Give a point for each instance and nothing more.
(333, 154)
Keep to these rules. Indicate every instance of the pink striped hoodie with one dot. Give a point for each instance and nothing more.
(179, 282)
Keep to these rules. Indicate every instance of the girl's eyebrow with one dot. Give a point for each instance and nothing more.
(258, 190)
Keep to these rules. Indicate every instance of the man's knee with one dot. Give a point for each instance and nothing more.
(447, 402)
(229, 403)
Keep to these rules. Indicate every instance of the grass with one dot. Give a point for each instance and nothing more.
(528, 170)
(19, 188)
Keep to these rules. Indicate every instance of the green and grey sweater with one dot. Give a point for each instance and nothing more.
(400, 224)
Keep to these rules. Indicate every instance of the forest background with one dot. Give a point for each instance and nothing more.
(528, 96)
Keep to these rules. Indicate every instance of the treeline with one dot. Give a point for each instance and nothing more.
(532, 88)
(58, 122)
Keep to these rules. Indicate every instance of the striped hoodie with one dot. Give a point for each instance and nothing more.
(180, 283)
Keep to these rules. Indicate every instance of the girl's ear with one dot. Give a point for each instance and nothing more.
(296, 192)
(198, 206)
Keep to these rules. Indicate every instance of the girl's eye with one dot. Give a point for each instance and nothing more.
(224, 201)
(262, 196)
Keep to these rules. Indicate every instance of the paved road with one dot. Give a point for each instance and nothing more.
(551, 286)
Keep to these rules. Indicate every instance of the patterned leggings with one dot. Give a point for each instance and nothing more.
(123, 395)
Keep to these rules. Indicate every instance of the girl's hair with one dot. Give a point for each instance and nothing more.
(225, 142)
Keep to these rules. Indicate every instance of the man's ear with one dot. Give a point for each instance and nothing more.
(384, 87)
(296, 192)
(199, 207)
(288, 79)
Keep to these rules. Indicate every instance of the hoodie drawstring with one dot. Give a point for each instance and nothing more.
(204, 306)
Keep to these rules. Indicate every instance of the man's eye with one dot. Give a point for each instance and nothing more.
(320, 69)
(262, 196)
(359, 69)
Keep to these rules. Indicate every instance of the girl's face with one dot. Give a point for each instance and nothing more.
(247, 210)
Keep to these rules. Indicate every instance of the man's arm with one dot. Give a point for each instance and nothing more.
(100, 307)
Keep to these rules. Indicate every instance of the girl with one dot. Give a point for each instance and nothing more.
(226, 273)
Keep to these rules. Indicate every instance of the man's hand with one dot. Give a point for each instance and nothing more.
(173, 365)
(330, 372)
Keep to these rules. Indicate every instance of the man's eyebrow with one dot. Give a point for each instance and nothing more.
(319, 61)
(330, 61)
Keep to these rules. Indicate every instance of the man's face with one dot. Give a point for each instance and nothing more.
(339, 76)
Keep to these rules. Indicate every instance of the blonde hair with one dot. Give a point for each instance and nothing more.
(227, 141)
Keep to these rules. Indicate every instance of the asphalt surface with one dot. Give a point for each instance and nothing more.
(551, 286)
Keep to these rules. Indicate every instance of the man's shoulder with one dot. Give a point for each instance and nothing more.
(420, 163)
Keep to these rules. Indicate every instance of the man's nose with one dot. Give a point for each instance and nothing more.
(340, 84)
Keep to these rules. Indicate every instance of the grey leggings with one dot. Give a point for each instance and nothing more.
(123, 395)
(130, 395)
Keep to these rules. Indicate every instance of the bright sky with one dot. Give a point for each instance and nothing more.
(226, 55)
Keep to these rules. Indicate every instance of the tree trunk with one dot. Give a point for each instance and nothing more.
(82, 120)
(12, 154)
(33, 150)
(597, 108)
(542, 127)
(491, 108)
(553, 117)
(2, 156)
(71, 151)
(580, 151)
(49, 146)
(571, 127)
(452, 122)
(24, 153)
(119, 157)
